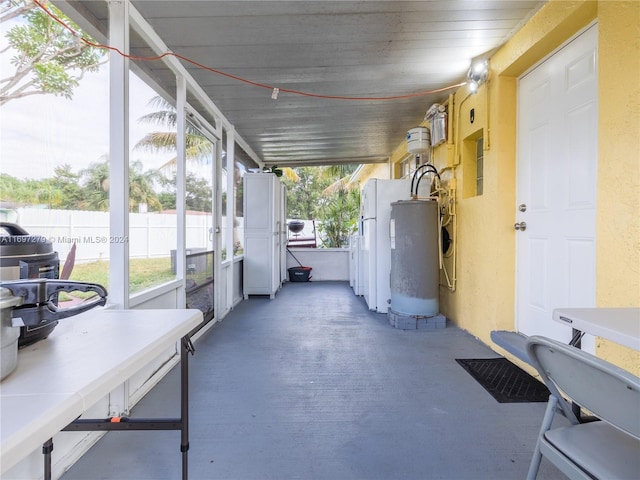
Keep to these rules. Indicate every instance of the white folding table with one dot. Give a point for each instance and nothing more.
(620, 325)
(86, 357)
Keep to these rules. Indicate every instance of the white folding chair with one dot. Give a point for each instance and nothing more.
(605, 449)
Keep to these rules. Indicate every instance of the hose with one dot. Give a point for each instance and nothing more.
(433, 170)
(413, 178)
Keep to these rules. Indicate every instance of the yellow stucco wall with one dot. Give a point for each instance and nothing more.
(485, 295)
(618, 216)
(372, 170)
(484, 299)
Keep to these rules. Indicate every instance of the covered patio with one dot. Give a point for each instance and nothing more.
(306, 387)
(312, 384)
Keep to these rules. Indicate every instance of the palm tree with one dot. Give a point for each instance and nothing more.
(198, 147)
(141, 187)
(338, 214)
(96, 186)
(340, 170)
(343, 172)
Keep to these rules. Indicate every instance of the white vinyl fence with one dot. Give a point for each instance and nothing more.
(151, 235)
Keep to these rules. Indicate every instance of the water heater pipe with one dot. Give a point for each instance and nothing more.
(433, 170)
(413, 177)
(451, 281)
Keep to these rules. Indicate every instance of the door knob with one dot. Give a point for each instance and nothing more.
(522, 226)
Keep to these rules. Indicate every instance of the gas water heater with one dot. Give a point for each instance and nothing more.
(415, 265)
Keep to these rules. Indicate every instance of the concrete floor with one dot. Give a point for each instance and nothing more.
(312, 385)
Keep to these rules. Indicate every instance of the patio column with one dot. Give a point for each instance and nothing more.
(231, 215)
(119, 175)
(181, 103)
(119, 154)
(217, 229)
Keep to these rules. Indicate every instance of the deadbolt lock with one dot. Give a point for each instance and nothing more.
(522, 207)
(522, 226)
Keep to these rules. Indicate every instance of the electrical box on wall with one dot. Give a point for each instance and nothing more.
(437, 118)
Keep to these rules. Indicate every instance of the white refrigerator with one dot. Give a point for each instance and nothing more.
(375, 246)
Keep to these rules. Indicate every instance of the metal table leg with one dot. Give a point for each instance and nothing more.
(47, 448)
(186, 347)
(125, 423)
(576, 341)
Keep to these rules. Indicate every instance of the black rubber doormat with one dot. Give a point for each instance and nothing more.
(506, 382)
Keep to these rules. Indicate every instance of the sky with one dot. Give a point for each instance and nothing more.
(41, 132)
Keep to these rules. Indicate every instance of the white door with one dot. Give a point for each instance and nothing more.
(556, 187)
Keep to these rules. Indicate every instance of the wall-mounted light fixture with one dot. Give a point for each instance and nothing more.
(478, 74)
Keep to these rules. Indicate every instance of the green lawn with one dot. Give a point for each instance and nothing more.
(143, 273)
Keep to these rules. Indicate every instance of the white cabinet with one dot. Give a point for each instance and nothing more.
(264, 234)
(283, 232)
